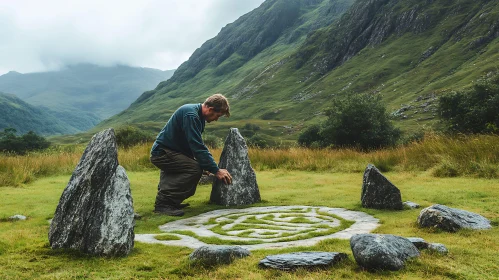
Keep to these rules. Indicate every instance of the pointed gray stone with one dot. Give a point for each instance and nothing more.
(382, 251)
(218, 254)
(244, 189)
(451, 219)
(378, 192)
(95, 212)
(307, 260)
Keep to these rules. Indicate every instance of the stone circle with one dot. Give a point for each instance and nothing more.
(265, 227)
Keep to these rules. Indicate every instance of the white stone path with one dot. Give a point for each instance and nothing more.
(271, 224)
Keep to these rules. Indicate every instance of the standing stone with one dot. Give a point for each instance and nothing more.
(309, 260)
(378, 192)
(382, 251)
(451, 219)
(95, 212)
(244, 189)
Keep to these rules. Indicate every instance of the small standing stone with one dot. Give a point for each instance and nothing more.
(218, 254)
(451, 219)
(95, 212)
(307, 260)
(382, 251)
(378, 192)
(244, 189)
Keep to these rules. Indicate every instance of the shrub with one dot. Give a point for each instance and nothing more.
(357, 120)
(127, 136)
(472, 111)
(30, 141)
(310, 137)
(212, 141)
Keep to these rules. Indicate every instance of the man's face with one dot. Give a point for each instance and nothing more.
(213, 115)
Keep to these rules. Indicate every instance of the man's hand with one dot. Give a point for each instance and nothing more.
(224, 175)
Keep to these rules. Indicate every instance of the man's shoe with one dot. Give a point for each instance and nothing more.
(183, 205)
(169, 210)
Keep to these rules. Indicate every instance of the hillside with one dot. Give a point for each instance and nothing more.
(25, 117)
(283, 63)
(82, 95)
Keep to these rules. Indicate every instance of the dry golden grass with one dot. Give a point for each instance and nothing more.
(443, 156)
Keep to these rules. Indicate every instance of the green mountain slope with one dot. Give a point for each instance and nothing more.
(24, 117)
(283, 63)
(83, 94)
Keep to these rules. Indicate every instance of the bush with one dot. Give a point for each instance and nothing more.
(357, 120)
(310, 137)
(128, 136)
(30, 141)
(473, 111)
(212, 141)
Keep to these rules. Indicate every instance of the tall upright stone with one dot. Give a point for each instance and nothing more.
(378, 192)
(244, 188)
(95, 212)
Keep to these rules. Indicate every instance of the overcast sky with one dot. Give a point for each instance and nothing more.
(44, 35)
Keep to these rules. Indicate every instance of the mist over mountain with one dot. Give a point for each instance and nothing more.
(82, 95)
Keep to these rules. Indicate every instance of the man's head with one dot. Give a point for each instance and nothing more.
(215, 106)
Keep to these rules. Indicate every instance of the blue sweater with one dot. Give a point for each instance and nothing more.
(182, 133)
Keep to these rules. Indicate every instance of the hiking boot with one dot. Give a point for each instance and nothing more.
(183, 205)
(168, 210)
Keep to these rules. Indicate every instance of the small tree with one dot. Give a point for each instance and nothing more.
(127, 136)
(357, 120)
(472, 111)
(30, 141)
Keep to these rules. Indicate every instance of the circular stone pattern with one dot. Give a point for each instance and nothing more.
(265, 227)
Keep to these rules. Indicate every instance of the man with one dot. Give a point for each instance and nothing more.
(182, 156)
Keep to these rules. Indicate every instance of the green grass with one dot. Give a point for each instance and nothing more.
(165, 237)
(25, 253)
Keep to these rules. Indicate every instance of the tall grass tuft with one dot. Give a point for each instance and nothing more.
(443, 156)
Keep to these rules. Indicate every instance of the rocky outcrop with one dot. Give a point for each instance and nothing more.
(451, 219)
(244, 188)
(218, 254)
(378, 192)
(17, 217)
(306, 260)
(95, 212)
(382, 251)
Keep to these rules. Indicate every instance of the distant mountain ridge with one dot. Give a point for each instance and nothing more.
(82, 95)
(24, 117)
(282, 64)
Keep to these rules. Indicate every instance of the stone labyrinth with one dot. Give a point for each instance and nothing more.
(264, 227)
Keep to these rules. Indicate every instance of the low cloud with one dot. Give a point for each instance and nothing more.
(46, 35)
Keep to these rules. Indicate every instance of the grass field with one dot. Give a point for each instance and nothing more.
(26, 254)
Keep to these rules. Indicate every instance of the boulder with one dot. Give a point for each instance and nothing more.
(306, 260)
(244, 189)
(378, 192)
(218, 254)
(382, 251)
(95, 212)
(17, 217)
(451, 219)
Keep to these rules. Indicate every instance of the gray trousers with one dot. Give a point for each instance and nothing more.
(178, 178)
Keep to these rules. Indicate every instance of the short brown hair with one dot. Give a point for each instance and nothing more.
(219, 103)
